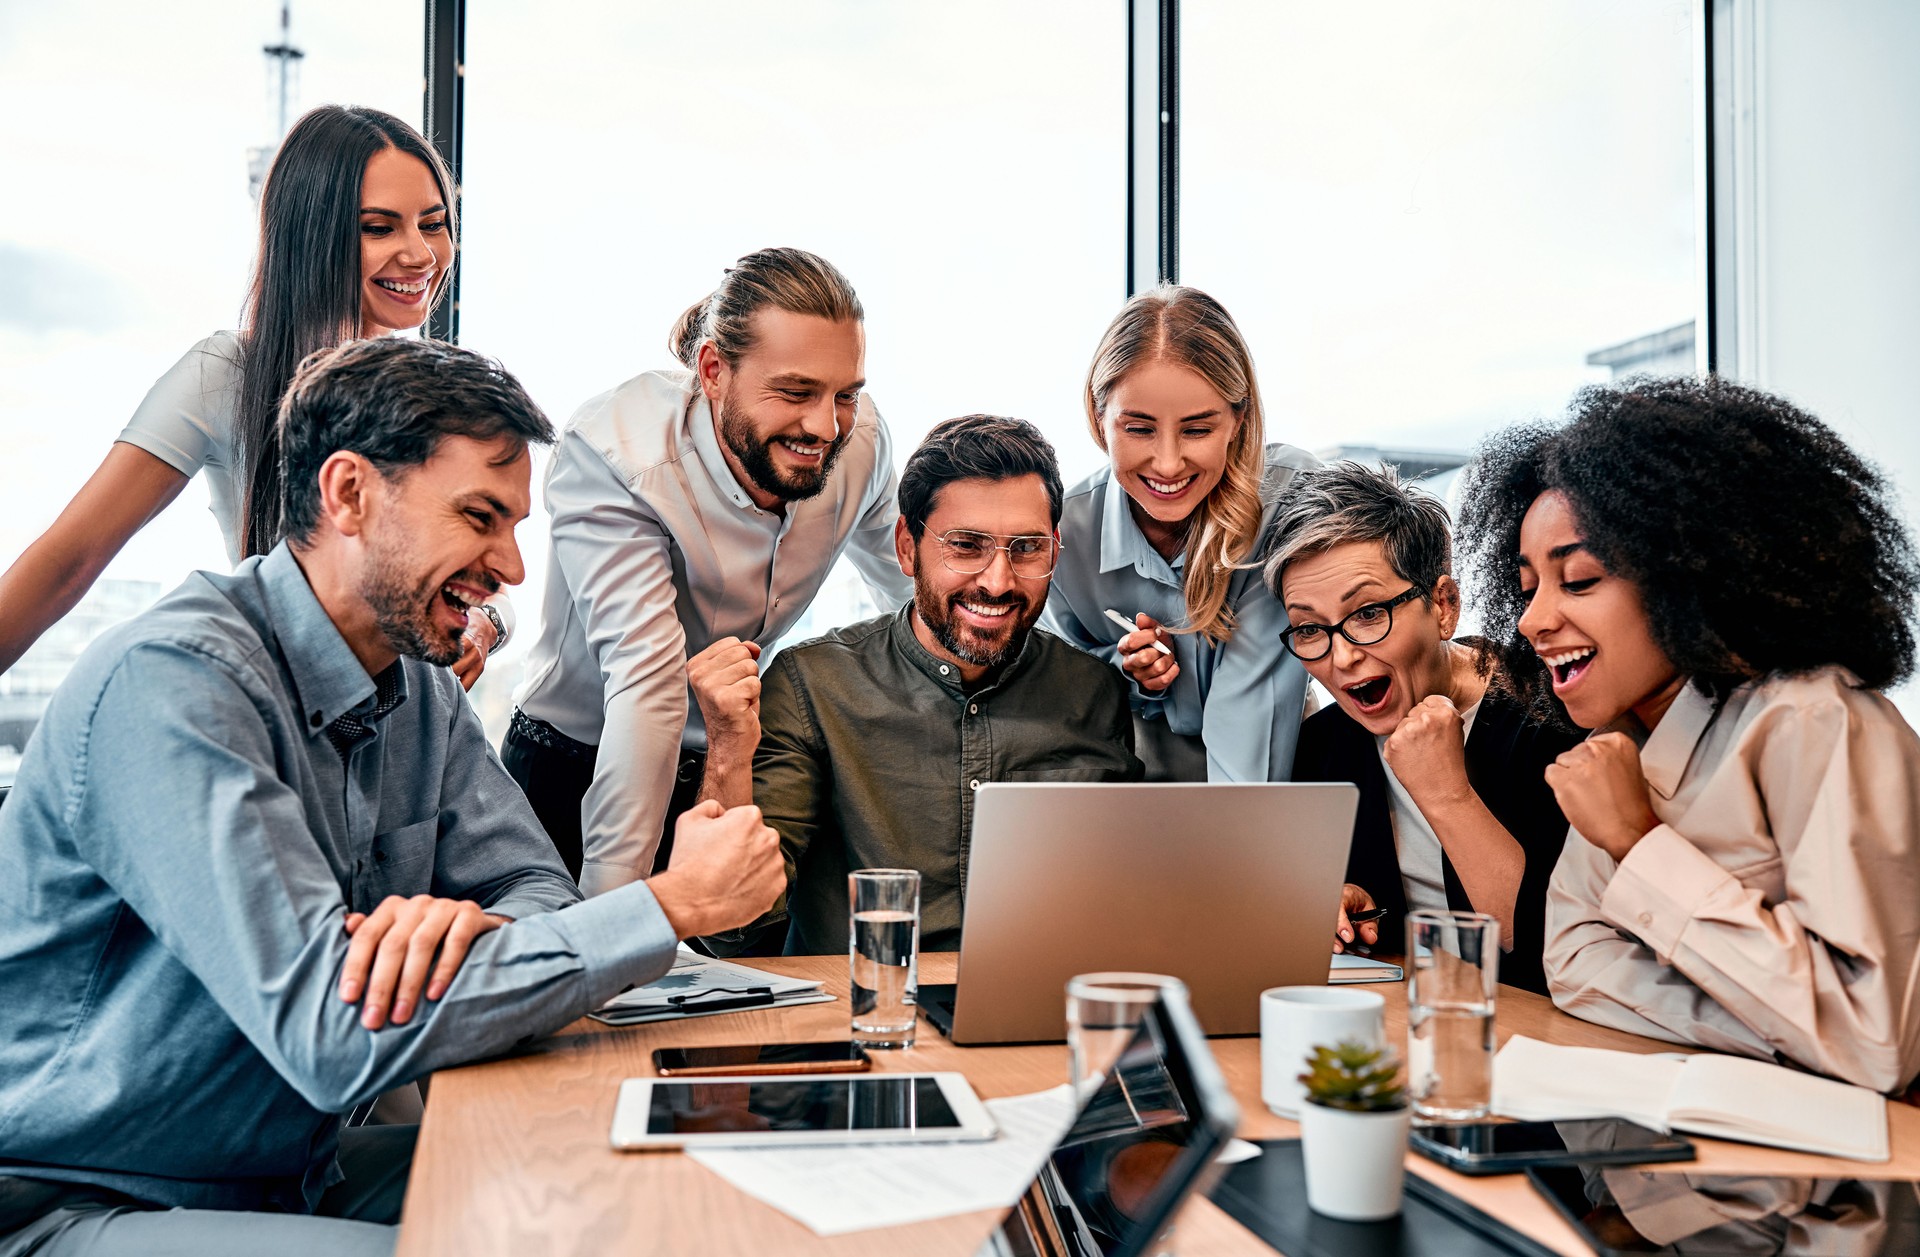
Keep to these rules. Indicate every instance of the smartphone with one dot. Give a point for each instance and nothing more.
(762, 1058)
(1509, 1147)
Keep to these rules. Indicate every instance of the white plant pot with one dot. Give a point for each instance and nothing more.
(1356, 1163)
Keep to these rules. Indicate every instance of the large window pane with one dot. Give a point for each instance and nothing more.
(969, 183)
(1434, 217)
(126, 236)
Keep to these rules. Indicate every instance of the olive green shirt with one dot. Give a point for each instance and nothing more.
(871, 749)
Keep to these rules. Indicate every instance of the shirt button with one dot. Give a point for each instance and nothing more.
(944, 669)
(973, 709)
(974, 784)
(314, 720)
(1646, 918)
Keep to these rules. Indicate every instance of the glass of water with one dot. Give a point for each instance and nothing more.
(1453, 963)
(1103, 1010)
(883, 950)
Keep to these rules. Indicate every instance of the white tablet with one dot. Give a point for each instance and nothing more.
(761, 1111)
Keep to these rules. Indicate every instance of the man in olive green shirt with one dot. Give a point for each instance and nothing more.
(863, 748)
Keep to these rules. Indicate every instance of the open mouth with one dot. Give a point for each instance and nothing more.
(986, 616)
(458, 601)
(1568, 666)
(812, 452)
(1371, 695)
(1166, 488)
(408, 291)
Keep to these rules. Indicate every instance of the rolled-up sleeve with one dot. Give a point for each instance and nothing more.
(178, 807)
(616, 557)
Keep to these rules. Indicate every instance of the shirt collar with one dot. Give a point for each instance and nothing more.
(706, 444)
(327, 675)
(947, 675)
(1122, 544)
(1665, 753)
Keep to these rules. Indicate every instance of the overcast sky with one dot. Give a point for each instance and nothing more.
(1424, 214)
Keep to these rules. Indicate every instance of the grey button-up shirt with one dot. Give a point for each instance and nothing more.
(177, 859)
(871, 749)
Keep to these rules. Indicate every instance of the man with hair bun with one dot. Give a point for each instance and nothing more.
(864, 747)
(696, 514)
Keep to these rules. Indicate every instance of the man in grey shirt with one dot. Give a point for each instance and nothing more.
(863, 748)
(253, 816)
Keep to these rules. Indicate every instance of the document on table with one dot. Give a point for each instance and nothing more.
(839, 1189)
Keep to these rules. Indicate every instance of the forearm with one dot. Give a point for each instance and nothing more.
(43, 584)
(728, 775)
(1489, 861)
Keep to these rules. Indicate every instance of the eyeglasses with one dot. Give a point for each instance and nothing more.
(970, 553)
(1369, 624)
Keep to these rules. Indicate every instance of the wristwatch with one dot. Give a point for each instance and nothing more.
(499, 628)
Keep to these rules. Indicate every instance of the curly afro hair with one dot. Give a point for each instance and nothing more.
(1759, 541)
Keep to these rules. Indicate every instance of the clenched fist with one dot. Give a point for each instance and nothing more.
(1603, 791)
(1428, 752)
(726, 683)
(726, 870)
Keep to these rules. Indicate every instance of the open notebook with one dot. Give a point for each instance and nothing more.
(1725, 1097)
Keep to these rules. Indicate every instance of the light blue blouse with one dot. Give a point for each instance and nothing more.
(1243, 697)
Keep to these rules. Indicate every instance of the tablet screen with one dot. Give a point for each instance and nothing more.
(1624, 1209)
(790, 1104)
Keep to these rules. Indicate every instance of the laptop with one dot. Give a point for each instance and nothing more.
(1147, 1138)
(1230, 888)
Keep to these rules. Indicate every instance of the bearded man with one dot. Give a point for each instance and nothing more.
(864, 748)
(694, 509)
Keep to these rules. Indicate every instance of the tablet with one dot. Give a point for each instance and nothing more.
(1621, 1210)
(762, 1111)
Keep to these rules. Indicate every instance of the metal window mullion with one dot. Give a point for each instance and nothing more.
(443, 110)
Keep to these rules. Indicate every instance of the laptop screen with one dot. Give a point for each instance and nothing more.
(1139, 1145)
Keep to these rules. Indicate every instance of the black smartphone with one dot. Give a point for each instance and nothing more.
(762, 1058)
(1509, 1147)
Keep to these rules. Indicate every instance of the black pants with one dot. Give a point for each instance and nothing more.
(555, 771)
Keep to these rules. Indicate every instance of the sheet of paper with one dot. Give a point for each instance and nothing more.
(834, 1190)
(1537, 1081)
(694, 976)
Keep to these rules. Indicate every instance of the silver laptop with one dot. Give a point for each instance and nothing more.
(1230, 888)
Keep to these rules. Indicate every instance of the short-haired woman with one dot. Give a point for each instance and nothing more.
(357, 238)
(1453, 809)
(1167, 537)
(1715, 583)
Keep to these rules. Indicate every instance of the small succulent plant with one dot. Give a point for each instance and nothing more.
(1355, 1076)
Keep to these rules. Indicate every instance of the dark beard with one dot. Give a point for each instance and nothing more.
(937, 615)
(756, 459)
(404, 610)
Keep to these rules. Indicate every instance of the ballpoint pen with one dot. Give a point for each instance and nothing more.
(1131, 627)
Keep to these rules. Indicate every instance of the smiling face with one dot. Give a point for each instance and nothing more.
(785, 408)
(1168, 433)
(442, 541)
(977, 621)
(1377, 685)
(1587, 625)
(404, 246)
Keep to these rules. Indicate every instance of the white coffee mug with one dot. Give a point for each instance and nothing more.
(1296, 1019)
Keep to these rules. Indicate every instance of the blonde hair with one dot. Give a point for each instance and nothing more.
(787, 279)
(1186, 327)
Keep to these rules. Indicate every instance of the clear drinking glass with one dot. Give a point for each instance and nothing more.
(883, 951)
(1453, 961)
(1103, 1010)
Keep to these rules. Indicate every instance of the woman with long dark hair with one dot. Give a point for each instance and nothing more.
(1713, 582)
(357, 237)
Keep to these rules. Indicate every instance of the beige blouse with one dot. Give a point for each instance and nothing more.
(1775, 911)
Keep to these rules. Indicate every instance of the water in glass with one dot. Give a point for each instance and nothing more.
(883, 977)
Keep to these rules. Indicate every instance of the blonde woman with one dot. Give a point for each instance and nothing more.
(1168, 535)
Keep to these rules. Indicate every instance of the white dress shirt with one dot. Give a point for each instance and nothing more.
(657, 552)
(1775, 910)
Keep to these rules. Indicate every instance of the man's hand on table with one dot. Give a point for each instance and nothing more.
(391, 957)
(725, 872)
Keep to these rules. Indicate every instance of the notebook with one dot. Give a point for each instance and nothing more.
(1725, 1097)
(1345, 967)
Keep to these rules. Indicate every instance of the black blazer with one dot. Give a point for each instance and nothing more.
(1507, 758)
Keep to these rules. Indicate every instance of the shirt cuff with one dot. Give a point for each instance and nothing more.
(1658, 889)
(623, 939)
(597, 878)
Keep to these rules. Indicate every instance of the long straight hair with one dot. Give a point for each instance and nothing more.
(1186, 327)
(306, 280)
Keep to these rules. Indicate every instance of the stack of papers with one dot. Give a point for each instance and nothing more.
(1726, 1097)
(700, 986)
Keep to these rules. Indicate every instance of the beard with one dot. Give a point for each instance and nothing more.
(404, 606)
(963, 641)
(756, 458)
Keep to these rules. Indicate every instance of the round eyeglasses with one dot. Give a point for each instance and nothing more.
(970, 553)
(1364, 627)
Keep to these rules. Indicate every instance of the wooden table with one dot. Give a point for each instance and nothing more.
(513, 1155)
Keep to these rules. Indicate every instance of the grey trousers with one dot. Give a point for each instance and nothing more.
(357, 1217)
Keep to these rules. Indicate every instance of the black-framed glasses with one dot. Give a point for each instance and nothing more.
(970, 553)
(1367, 625)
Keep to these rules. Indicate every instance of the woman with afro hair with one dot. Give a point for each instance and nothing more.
(1713, 582)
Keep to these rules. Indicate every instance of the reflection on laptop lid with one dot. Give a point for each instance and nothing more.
(1144, 1141)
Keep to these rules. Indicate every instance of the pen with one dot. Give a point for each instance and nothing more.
(741, 997)
(1131, 627)
(1371, 914)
